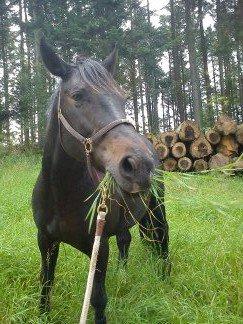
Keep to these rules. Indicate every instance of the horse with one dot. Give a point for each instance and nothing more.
(88, 104)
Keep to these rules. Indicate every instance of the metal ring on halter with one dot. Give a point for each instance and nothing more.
(88, 145)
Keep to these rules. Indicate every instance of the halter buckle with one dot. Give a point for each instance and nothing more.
(88, 145)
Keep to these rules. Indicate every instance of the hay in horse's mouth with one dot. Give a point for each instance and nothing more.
(108, 182)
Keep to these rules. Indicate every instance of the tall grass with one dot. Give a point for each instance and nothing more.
(205, 214)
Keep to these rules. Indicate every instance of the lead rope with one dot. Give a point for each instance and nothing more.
(102, 211)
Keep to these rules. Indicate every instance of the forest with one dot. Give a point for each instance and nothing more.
(187, 66)
(180, 64)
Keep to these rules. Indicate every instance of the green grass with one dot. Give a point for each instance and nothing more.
(205, 213)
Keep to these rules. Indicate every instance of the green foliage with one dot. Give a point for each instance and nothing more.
(206, 285)
(154, 60)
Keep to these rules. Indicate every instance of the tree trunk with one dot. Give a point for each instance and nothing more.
(177, 84)
(40, 81)
(28, 47)
(191, 37)
(141, 97)
(203, 43)
(133, 82)
(3, 48)
(215, 87)
(238, 15)
(220, 49)
(23, 106)
(148, 100)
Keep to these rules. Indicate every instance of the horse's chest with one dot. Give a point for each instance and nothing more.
(68, 217)
(70, 227)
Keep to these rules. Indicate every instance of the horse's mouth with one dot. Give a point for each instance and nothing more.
(124, 185)
(130, 187)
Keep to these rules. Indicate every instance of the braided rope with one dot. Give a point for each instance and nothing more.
(92, 267)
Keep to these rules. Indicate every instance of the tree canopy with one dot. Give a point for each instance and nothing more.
(189, 66)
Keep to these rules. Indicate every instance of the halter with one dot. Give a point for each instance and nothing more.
(87, 142)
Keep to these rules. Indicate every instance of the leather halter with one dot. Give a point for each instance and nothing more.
(87, 142)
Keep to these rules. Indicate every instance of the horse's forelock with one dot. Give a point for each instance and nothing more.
(95, 75)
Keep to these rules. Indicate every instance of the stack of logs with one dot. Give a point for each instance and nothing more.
(188, 148)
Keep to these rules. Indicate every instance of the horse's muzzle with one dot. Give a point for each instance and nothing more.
(136, 172)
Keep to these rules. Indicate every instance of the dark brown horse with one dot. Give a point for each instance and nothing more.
(90, 100)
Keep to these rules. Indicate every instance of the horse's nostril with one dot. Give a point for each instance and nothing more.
(128, 164)
(137, 170)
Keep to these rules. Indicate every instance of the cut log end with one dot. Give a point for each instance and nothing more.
(184, 164)
(212, 136)
(200, 165)
(168, 138)
(239, 134)
(228, 146)
(200, 148)
(218, 160)
(170, 164)
(238, 165)
(188, 131)
(152, 138)
(225, 125)
(162, 151)
(179, 150)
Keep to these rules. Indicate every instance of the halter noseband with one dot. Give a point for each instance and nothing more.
(87, 142)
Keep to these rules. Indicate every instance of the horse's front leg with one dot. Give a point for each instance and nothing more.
(49, 253)
(123, 239)
(99, 297)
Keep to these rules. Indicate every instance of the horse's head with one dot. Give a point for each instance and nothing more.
(90, 100)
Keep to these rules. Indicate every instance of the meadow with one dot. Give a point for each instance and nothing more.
(205, 214)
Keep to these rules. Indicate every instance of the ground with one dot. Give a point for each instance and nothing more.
(205, 214)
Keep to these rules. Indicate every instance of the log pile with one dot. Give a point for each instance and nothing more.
(190, 149)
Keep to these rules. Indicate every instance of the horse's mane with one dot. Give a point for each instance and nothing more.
(52, 101)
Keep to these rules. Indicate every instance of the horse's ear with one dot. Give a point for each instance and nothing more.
(52, 61)
(110, 62)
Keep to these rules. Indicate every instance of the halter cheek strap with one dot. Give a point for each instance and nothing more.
(87, 142)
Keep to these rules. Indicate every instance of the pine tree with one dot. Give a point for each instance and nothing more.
(191, 37)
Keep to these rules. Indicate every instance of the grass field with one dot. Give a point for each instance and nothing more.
(205, 213)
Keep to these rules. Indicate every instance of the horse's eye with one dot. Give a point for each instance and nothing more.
(78, 96)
